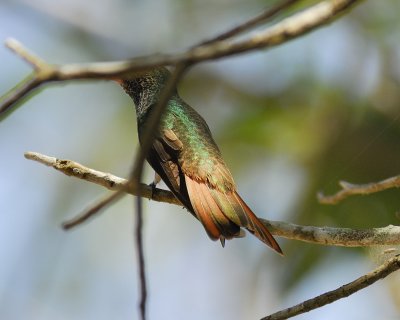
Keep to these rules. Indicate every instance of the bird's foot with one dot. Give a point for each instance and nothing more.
(153, 189)
(153, 185)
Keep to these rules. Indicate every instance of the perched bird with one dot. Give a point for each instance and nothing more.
(186, 157)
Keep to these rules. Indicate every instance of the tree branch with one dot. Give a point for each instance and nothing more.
(342, 237)
(100, 204)
(349, 189)
(253, 22)
(389, 235)
(107, 180)
(346, 290)
(289, 28)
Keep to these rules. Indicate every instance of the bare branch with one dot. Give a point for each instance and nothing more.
(219, 47)
(16, 94)
(389, 235)
(289, 28)
(346, 290)
(342, 237)
(349, 189)
(43, 73)
(107, 180)
(140, 253)
(92, 210)
(31, 58)
(253, 22)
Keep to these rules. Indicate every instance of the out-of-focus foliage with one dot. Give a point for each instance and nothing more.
(334, 136)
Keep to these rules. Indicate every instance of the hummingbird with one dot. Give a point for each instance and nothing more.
(185, 156)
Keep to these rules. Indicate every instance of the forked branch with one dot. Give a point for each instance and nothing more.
(350, 189)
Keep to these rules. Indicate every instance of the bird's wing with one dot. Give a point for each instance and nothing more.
(163, 157)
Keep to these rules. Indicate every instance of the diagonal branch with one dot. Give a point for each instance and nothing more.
(344, 291)
(16, 94)
(289, 28)
(95, 208)
(346, 237)
(350, 189)
(251, 23)
(106, 180)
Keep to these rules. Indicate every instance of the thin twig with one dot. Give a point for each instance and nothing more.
(31, 58)
(137, 171)
(251, 23)
(289, 28)
(92, 210)
(346, 290)
(349, 189)
(140, 253)
(43, 72)
(346, 237)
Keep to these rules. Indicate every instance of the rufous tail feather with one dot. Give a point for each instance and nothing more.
(222, 214)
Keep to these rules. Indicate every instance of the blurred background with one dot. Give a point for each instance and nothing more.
(290, 122)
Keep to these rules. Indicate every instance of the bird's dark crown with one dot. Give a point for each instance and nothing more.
(145, 86)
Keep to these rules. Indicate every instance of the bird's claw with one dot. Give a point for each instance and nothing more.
(153, 189)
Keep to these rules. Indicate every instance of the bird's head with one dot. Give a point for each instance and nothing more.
(143, 83)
